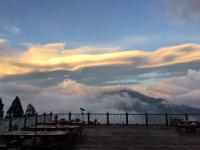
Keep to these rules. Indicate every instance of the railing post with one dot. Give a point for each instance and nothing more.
(56, 119)
(186, 117)
(82, 116)
(25, 120)
(88, 118)
(51, 116)
(10, 122)
(44, 121)
(36, 119)
(36, 122)
(126, 118)
(107, 116)
(70, 115)
(166, 119)
(146, 119)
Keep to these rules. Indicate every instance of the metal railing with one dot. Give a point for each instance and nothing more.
(128, 118)
(96, 118)
(12, 123)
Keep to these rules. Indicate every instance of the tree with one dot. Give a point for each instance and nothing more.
(16, 109)
(1, 109)
(30, 111)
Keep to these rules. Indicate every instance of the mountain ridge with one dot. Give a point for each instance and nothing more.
(141, 103)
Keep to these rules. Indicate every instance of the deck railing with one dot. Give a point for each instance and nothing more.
(97, 118)
(128, 118)
(11, 123)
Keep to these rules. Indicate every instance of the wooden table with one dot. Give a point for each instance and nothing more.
(55, 127)
(189, 127)
(74, 129)
(44, 136)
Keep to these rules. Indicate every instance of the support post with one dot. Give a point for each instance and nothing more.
(10, 122)
(70, 116)
(25, 120)
(51, 116)
(107, 116)
(166, 120)
(126, 118)
(44, 121)
(56, 119)
(36, 122)
(88, 118)
(186, 117)
(82, 117)
(146, 119)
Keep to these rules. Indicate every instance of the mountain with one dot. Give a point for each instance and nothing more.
(141, 103)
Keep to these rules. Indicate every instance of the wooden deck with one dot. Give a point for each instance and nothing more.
(137, 138)
(133, 138)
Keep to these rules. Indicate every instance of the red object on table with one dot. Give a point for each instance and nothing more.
(58, 122)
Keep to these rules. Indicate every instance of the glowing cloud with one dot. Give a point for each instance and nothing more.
(53, 56)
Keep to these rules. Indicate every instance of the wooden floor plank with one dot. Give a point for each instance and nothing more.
(136, 137)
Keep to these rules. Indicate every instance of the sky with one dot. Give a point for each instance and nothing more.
(72, 45)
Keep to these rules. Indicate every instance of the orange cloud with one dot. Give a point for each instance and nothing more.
(53, 56)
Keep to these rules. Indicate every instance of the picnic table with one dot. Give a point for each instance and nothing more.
(187, 126)
(45, 136)
(74, 129)
(63, 122)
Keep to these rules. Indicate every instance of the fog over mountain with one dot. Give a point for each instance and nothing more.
(141, 103)
(70, 96)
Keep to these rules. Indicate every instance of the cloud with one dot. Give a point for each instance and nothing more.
(180, 90)
(12, 29)
(188, 10)
(70, 96)
(5, 49)
(63, 97)
(53, 57)
(2, 46)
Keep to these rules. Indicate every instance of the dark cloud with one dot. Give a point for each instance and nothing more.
(101, 76)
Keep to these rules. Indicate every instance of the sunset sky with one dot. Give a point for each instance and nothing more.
(69, 47)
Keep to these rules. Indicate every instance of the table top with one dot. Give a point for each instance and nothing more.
(76, 123)
(187, 125)
(54, 127)
(33, 133)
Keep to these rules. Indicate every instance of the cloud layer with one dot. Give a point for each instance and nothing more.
(64, 97)
(73, 78)
(70, 96)
(53, 56)
(179, 90)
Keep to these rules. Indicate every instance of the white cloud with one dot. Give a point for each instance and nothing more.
(5, 49)
(70, 96)
(180, 90)
(63, 97)
(12, 29)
